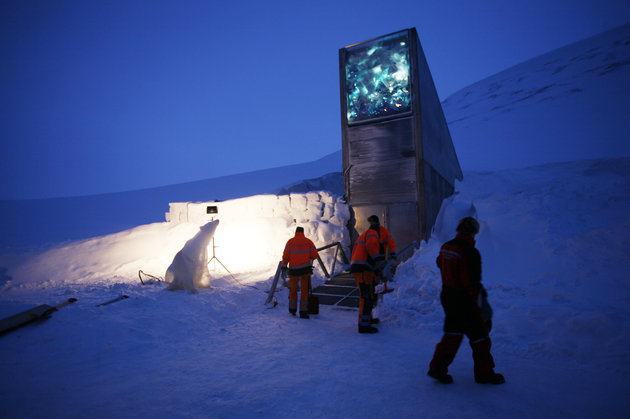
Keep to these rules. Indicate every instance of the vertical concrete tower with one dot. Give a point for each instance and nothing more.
(398, 157)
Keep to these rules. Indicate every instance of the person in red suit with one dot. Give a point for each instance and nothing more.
(461, 297)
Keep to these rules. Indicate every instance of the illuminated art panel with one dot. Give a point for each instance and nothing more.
(378, 78)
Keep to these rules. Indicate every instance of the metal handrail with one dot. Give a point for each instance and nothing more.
(338, 249)
(390, 267)
(275, 283)
(388, 271)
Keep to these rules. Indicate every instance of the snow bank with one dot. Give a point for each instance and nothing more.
(554, 241)
(254, 230)
(250, 237)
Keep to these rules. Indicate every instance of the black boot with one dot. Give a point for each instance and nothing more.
(443, 378)
(494, 378)
(304, 315)
(367, 329)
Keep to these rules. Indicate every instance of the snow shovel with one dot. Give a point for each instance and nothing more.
(36, 313)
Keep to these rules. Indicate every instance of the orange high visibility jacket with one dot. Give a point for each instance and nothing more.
(366, 252)
(299, 254)
(386, 241)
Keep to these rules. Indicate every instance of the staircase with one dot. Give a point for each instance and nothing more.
(340, 291)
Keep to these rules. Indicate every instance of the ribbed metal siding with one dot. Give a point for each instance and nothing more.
(383, 162)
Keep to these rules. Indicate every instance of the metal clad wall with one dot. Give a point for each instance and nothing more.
(383, 141)
(382, 182)
(437, 145)
(403, 223)
(400, 219)
(436, 188)
(383, 163)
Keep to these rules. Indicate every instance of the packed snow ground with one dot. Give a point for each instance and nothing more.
(555, 241)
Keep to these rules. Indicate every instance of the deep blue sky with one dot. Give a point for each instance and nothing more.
(106, 96)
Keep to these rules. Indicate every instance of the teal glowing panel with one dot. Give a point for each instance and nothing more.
(378, 78)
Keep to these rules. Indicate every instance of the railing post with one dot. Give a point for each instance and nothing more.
(321, 263)
(339, 247)
(332, 270)
(343, 254)
(275, 283)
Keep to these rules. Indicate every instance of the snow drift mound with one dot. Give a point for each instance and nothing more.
(554, 241)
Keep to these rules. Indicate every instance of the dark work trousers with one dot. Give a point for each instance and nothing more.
(365, 282)
(462, 317)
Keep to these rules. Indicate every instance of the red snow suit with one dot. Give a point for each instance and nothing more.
(460, 267)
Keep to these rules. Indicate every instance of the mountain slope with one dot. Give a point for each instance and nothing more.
(569, 104)
(47, 221)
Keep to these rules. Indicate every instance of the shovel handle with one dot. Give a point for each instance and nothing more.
(53, 309)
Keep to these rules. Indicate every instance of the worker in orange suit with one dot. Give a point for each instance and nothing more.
(366, 260)
(385, 239)
(297, 260)
(386, 245)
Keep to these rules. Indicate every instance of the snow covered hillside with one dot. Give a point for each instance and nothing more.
(43, 222)
(556, 246)
(569, 104)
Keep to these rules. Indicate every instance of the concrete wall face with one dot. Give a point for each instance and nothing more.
(397, 166)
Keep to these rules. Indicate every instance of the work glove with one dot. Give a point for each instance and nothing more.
(284, 272)
(379, 265)
(482, 297)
